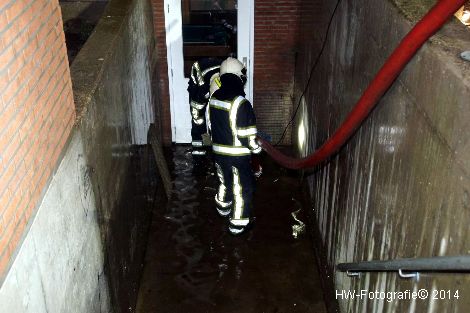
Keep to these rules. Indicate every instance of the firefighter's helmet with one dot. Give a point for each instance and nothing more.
(233, 66)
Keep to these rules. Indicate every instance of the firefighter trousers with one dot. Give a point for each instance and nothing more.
(236, 187)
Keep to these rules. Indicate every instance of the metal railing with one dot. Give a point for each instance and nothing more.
(410, 268)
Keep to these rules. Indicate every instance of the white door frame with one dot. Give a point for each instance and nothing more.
(177, 84)
(245, 41)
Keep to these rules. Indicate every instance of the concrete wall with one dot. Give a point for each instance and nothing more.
(85, 247)
(400, 187)
(60, 266)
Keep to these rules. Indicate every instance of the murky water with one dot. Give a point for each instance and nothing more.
(194, 265)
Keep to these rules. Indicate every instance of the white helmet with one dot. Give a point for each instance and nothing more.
(233, 66)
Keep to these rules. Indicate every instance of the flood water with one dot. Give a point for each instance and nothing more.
(194, 265)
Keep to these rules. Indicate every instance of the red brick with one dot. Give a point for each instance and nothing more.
(5, 198)
(9, 219)
(17, 235)
(14, 10)
(4, 260)
(3, 22)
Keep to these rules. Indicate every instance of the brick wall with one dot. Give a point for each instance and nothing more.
(276, 38)
(36, 111)
(163, 100)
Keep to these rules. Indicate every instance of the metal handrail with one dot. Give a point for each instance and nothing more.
(409, 267)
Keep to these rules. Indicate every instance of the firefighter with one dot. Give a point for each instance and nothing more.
(202, 72)
(255, 158)
(233, 129)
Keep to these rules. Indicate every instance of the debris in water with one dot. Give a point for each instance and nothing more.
(465, 55)
(299, 228)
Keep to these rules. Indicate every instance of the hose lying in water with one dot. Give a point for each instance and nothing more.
(408, 47)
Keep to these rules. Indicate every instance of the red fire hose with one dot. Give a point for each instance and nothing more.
(424, 29)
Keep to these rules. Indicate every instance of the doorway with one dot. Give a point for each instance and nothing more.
(204, 28)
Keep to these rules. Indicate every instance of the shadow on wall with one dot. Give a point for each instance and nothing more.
(124, 234)
(79, 20)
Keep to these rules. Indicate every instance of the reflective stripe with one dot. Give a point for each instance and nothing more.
(256, 151)
(219, 173)
(223, 213)
(235, 231)
(233, 119)
(217, 81)
(198, 152)
(245, 132)
(208, 120)
(193, 68)
(198, 121)
(200, 79)
(222, 191)
(240, 221)
(207, 70)
(237, 195)
(197, 105)
(222, 204)
(255, 147)
(228, 150)
(194, 113)
(223, 105)
(196, 143)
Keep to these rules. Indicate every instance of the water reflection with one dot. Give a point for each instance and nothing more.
(390, 137)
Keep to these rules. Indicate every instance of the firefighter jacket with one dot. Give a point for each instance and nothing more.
(232, 119)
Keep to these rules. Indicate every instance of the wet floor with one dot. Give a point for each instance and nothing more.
(194, 265)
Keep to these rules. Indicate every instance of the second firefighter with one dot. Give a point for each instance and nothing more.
(202, 72)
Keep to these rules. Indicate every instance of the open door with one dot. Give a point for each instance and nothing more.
(203, 28)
